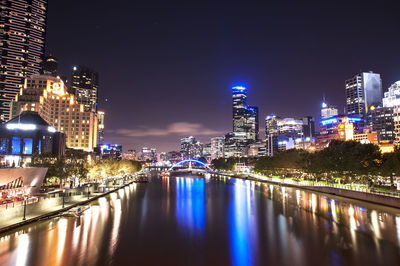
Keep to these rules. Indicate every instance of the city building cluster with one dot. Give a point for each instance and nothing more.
(34, 96)
(370, 116)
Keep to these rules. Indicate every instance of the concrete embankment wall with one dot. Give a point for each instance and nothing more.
(374, 198)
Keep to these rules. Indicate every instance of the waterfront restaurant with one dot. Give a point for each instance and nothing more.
(25, 135)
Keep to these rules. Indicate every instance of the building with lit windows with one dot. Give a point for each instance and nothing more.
(338, 127)
(22, 43)
(245, 118)
(191, 148)
(25, 135)
(113, 151)
(206, 152)
(217, 147)
(148, 154)
(363, 91)
(48, 96)
(85, 85)
(328, 110)
(257, 149)
(380, 119)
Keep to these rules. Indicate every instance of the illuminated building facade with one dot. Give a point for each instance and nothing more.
(206, 152)
(381, 120)
(363, 91)
(245, 117)
(392, 96)
(338, 127)
(48, 96)
(113, 151)
(85, 85)
(191, 148)
(22, 43)
(148, 154)
(26, 135)
(328, 110)
(217, 147)
(257, 149)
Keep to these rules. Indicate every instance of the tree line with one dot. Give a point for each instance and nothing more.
(79, 164)
(347, 160)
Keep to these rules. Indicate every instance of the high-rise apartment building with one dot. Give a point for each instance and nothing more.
(22, 43)
(85, 85)
(363, 91)
(48, 96)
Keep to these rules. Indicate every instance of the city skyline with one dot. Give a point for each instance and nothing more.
(275, 50)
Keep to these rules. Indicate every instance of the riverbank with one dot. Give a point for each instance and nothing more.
(10, 224)
(362, 194)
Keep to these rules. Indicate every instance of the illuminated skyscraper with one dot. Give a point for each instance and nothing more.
(239, 105)
(363, 91)
(85, 85)
(245, 118)
(22, 42)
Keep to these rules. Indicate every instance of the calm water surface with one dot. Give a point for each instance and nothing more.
(203, 221)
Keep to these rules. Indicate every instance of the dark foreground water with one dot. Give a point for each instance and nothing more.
(196, 221)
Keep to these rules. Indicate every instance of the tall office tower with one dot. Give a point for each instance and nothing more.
(49, 66)
(252, 124)
(85, 85)
(363, 91)
(22, 43)
(308, 127)
(328, 110)
(239, 98)
(100, 134)
(217, 147)
(48, 96)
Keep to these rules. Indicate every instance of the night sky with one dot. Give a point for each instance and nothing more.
(166, 67)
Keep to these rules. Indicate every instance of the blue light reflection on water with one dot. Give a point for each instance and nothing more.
(190, 204)
(241, 223)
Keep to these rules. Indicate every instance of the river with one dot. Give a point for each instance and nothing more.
(208, 221)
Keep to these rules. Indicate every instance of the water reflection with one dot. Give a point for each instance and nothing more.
(241, 223)
(184, 221)
(190, 204)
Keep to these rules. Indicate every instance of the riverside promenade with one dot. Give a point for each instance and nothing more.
(13, 215)
(364, 194)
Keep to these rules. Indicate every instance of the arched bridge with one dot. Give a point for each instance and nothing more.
(189, 162)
